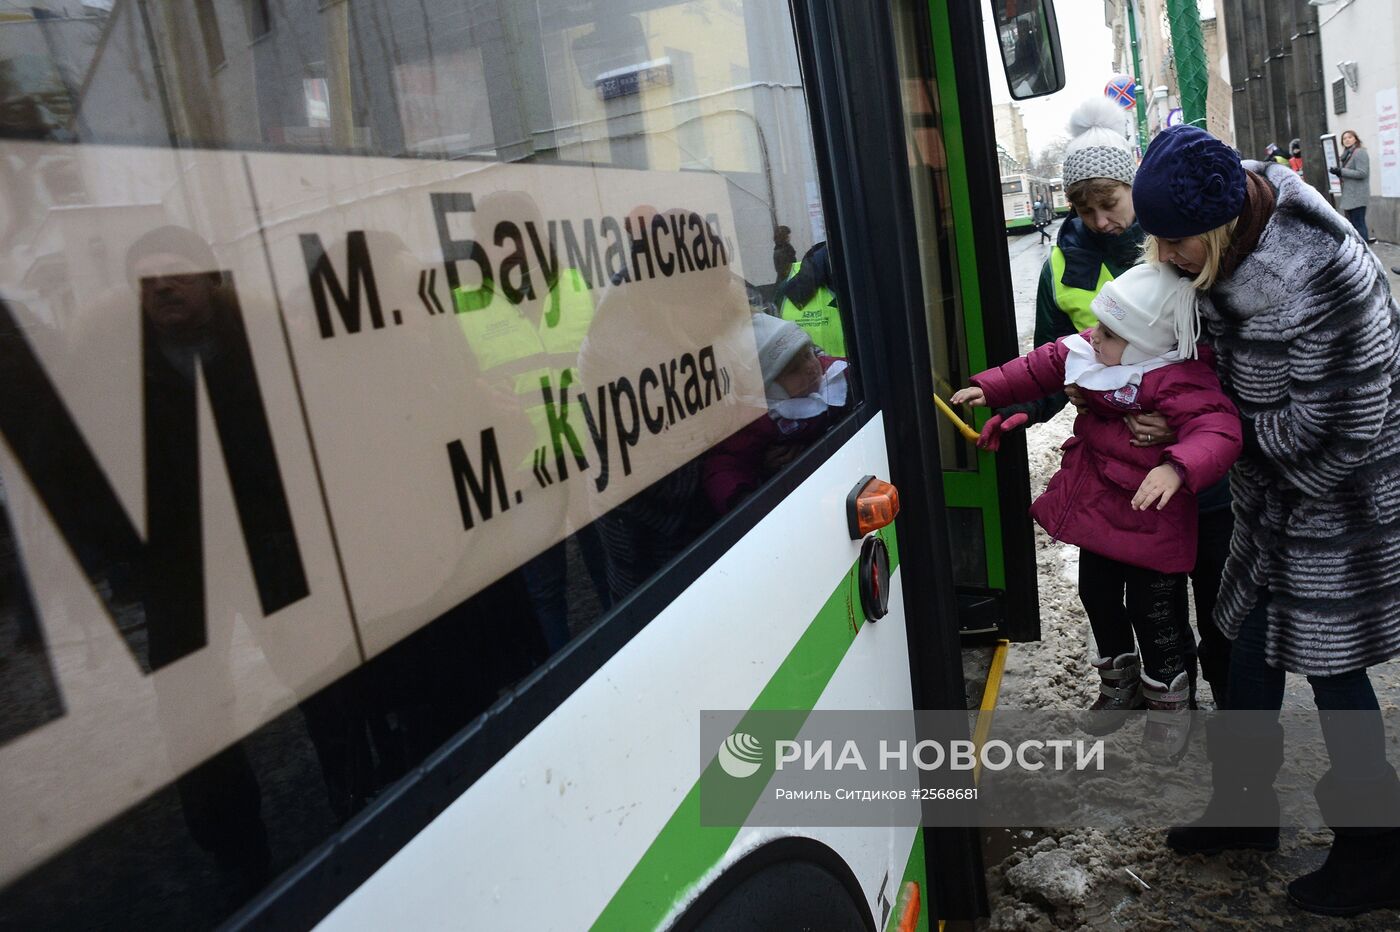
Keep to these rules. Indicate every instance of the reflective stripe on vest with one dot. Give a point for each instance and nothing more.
(820, 317)
(1075, 301)
(511, 350)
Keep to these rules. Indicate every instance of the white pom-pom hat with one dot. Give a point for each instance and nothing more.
(1154, 309)
(1098, 148)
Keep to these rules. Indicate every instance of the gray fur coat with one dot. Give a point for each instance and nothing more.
(1307, 340)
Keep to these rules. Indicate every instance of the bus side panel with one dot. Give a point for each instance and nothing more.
(577, 804)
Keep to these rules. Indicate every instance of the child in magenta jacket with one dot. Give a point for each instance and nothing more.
(1131, 510)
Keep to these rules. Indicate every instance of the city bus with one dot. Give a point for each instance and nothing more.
(396, 464)
(1058, 200)
(1019, 192)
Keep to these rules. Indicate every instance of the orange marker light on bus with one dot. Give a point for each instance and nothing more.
(909, 907)
(872, 504)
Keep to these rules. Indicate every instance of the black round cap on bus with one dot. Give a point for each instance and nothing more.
(874, 576)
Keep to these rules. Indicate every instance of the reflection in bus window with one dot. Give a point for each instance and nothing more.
(806, 390)
(929, 175)
(354, 359)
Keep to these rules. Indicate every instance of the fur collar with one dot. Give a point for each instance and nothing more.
(1304, 243)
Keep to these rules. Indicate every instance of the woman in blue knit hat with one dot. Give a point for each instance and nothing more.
(1307, 343)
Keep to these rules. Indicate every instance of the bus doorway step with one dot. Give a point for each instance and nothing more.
(980, 614)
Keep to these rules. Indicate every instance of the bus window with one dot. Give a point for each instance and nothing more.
(937, 244)
(357, 358)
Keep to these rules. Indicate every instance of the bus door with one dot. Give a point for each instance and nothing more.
(970, 313)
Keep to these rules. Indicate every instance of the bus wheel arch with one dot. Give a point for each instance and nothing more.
(790, 882)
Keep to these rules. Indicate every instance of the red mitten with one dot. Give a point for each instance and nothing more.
(996, 426)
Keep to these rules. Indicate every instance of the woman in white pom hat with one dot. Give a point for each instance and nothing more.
(1094, 246)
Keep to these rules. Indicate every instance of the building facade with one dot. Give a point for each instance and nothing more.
(1011, 131)
(1153, 62)
(1275, 69)
(1361, 49)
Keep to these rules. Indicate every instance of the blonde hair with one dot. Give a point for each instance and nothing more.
(1216, 242)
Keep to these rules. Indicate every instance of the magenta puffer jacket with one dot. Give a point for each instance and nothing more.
(1089, 501)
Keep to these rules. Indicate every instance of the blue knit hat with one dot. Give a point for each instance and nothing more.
(1189, 183)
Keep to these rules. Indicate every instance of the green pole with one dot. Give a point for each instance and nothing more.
(1141, 104)
(1190, 51)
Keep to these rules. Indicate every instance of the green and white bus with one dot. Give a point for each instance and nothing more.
(1019, 192)
(399, 455)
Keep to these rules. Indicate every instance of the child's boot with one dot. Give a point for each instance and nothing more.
(1120, 692)
(1168, 716)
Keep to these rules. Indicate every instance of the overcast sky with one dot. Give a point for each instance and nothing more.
(1088, 49)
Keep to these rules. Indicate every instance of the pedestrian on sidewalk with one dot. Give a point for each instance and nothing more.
(1307, 346)
(1355, 172)
(1132, 510)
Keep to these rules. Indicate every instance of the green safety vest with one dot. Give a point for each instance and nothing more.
(508, 347)
(820, 317)
(1075, 301)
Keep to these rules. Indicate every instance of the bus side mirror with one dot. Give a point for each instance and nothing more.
(1030, 47)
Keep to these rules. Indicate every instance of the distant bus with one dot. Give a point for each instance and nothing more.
(1018, 195)
(1058, 200)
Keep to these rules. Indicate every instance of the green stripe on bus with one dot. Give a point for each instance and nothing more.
(685, 850)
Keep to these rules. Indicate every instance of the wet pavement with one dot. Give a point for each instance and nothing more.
(1028, 253)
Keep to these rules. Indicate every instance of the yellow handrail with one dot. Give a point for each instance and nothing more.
(971, 435)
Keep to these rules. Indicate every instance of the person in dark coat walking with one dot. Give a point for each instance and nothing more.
(1355, 172)
(1043, 216)
(784, 253)
(1307, 341)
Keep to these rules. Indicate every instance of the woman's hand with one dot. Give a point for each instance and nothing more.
(1076, 398)
(969, 396)
(1149, 429)
(1162, 482)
